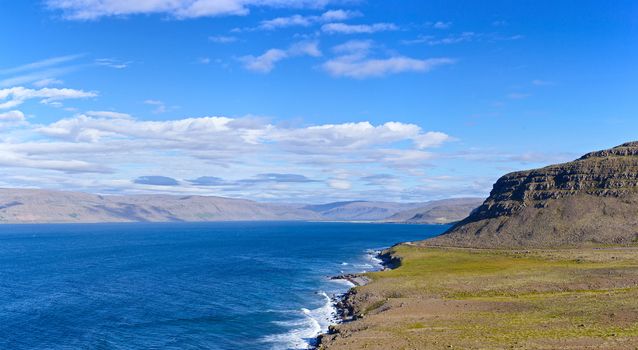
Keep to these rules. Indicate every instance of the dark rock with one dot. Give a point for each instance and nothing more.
(592, 200)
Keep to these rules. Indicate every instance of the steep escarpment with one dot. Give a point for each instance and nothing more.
(591, 200)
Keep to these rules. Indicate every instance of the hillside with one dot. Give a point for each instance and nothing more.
(438, 212)
(46, 206)
(592, 200)
(37, 206)
(360, 210)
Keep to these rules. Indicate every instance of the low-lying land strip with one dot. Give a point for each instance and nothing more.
(445, 298)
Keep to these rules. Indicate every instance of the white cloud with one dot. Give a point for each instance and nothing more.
(540, 82)
(12, 116)
(441, 25)
(339, 184)
(234, 136)
(330, 138)
(30, 77)
(112, 63)
(53, 61)
(354, 47)
(233, 150)
(360, 69)
(222, 39)
(265, 62)
(344, 28)
(47, 82)
(282, 22)
(41, 73)
(95, 9)
(15, 96)
(8, 159)
(108, 114)
(430, 139)
(339, 15)
(353, 61)
(462, 37)
(448, 40)
(306, 21)
(160, 107)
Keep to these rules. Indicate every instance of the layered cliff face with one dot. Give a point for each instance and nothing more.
(593, 199)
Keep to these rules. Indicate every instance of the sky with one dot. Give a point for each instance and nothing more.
(309, 101)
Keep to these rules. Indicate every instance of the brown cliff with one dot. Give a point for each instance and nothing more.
(592, 200)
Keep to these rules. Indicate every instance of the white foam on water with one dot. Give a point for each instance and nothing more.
(343, 281)
(372, 258)
(313, 322)
(305, 330)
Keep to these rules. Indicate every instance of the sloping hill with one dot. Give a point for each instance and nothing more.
(360, 210)
(591, 200)
(46, 206)
(438, 212)
(39, 206)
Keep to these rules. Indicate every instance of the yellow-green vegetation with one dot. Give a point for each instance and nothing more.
(486, 299)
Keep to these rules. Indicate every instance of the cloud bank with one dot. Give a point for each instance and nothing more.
(95, 9)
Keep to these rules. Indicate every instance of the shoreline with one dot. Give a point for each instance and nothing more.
(344, 304)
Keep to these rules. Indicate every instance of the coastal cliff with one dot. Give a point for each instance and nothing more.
(557, 268)
(592, 200)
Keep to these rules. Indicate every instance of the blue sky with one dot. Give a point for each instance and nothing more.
(309, 101)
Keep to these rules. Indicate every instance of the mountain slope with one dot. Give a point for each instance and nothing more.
(360, 210)
(45, 206)
(37, 206)
(591, 200)
(438, 212)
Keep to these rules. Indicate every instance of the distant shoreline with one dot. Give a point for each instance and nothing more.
(5, 223)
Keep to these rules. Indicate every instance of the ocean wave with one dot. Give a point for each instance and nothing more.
(303, 331)
(306, 328)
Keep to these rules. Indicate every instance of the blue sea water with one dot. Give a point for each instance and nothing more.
(248, 285)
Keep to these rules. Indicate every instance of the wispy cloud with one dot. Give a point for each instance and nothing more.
(108, 114)
(344, 28)
(266, 62)
(112, 63)
(463, 37)
(306, 21)
(450, 39)
(16, 96)
(441, 25)
(47, 82)
(541, 82)
(41, 73)
(12, 116)
(38, 65)
(182, 9)
(222, 39)
(160, 106)
(353, 60)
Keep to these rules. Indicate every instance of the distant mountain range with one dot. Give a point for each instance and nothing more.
(438, 212)
(47, 206)
(592, 200)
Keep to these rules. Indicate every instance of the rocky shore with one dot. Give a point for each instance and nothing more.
(347, 304)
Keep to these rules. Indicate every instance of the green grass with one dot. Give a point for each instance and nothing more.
(514, 297)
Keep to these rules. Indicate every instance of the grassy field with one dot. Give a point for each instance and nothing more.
(490, 299)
